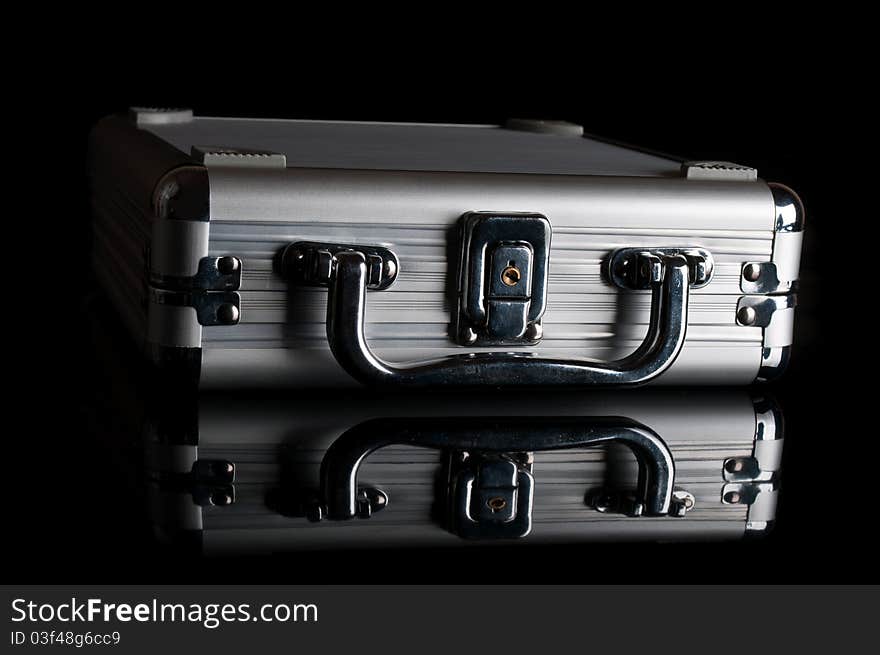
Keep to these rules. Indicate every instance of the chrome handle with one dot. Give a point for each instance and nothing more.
(348, 278)
(482, 436)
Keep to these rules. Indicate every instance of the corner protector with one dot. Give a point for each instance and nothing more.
(183, 194)
(789, 214)
(774, 363)
(769, 419)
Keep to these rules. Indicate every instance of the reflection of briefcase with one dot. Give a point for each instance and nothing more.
(243, 474)
(305, 253)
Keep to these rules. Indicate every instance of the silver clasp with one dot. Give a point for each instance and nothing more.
(502, 281)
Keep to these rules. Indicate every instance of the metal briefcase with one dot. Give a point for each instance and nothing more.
(305, 253)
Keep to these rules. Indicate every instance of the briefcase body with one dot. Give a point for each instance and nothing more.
(244, 252)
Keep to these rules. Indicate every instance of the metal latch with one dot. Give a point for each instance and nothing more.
(212, 482)
(502, 281)
(490, 495)
(209, 482)
(212, 291)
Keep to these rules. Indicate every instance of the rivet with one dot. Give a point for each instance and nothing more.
(603, 502)
(752, 272)
(221, 499)
(734, 466)
(228, 314)
(314, 512)
(227, 265)
(746, 315)
(221, 468)
(534, 332)
(390, 268)
(468, 336)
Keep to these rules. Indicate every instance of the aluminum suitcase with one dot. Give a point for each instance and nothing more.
(278, 475)
(269, 253)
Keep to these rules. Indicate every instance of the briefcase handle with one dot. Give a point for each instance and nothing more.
(348, 271)
(482, 437)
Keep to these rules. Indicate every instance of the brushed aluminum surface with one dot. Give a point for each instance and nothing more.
(282, 336)
(259, 436)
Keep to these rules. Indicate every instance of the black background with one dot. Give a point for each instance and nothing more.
(786, 113)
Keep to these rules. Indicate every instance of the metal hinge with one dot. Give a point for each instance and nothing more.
(209, 482)
(212, 274)
(212, 307)
(761, 498)
(761, 311)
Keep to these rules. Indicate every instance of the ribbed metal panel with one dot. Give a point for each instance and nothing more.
(270, 439)
(586, 316)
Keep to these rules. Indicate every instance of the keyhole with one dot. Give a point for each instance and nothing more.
(511, 275)
(496, 504)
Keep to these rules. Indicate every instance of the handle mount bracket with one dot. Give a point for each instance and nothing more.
(641, 268)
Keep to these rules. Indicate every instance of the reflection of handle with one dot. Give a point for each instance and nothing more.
(339, 468)
(346, 307)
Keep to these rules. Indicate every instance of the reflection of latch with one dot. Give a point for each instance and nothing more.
(490, 495)
(502, 282)
(753, 480)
